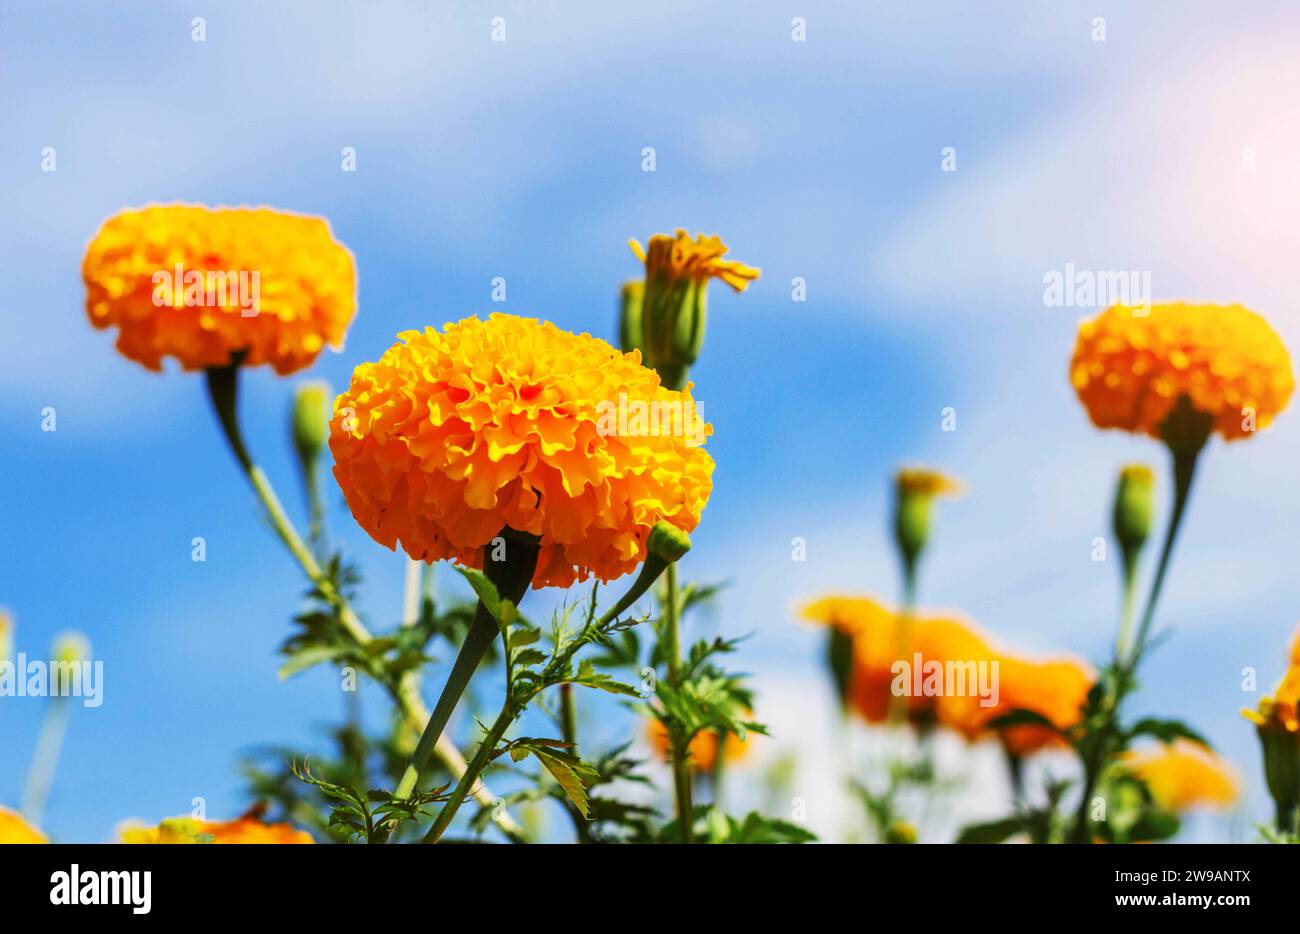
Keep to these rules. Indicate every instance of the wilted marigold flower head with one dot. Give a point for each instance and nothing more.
(203, 284)
(1130, 369)
(1184, 775)
(683, 257)
(511, 422)
(246, 829)
(13, 829)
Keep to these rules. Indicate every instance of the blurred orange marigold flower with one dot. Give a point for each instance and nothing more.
(1056, 689)
(703, 747)
(509, 422)
(246, 829)
(1130, 369)
(13, 829)
(1184, 775)
(875, 633)
(273, 285)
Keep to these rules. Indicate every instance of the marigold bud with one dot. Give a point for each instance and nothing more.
(914, 493)
(311, 419)
(668, 542)
(630, 333)
(1134, 506)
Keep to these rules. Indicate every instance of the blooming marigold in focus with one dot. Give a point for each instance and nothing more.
(273, 286)
(1130, 369)
(13, 829)
(246, 829)
(683, 257)
(1184, 775)
(703, 748)
(514, 423)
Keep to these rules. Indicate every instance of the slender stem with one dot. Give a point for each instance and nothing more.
(224, 389)
(45, 759)
(678, 749)
(672, 625)
(719, 769)
(1126, 607)
(482, 756)
(898, 703)
(569, 731)
(1184, 471)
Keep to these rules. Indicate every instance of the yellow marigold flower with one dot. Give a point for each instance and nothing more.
(512, 422)
(1280, 711)
(926, 482)
(703, 748)
(13, 829)
(1056, 689)
(1184, 775)
(246, 829)
(681, 257)
(1130, 369)
(203, 284)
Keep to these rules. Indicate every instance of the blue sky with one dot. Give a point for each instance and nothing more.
(522, 159)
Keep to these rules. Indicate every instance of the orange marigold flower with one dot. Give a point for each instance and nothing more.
(203, 284)
(680, 256)
(1184, 775)
(877, 636)
(13, 829)
(1130, 369)
(246, 829)
(1055, 689)
(512, 422)
(703, 748)
(1280, 711)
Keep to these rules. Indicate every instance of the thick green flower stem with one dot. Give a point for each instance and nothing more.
(511, 578)
(1129, 584)
(223, 386)
(45, 760)
(1184, 467)
(650, 571)
(1286, 812)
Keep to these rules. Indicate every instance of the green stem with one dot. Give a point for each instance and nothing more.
(898, 703)
(1184, 471)
(511, 578)
(1126, 609)
(482, 756)
(569, 731)
(223, 387)
(678, 749)
(45, 759)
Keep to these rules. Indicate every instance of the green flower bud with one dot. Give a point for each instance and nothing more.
(668, 542)
(311, 419)
(1282, 771)
(630, 333)
(1134, 507)
(674, 306)
(71, 646)
(914, 493)
(70, 649)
